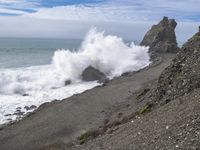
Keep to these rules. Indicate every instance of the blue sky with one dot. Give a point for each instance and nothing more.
(183, 10)
(79, 15)
(18, 7)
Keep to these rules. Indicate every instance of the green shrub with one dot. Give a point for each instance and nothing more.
(146, 108)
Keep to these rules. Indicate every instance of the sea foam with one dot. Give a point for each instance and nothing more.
(39, 84)
(109, 54)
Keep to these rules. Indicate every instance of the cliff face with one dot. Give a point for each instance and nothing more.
(161, 37)
(183, 75)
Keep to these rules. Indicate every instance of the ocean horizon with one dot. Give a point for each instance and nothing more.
(26, 52)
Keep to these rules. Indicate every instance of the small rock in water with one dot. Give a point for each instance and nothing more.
(26, 107)
(18, 113)
(68, 82)
(30, 108)
(18, 108)
(9, 119)
(25, 94)
(33, 107)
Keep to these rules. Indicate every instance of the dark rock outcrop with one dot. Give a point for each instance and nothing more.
(183, 75)
(92, 74)
(68, 82)
(30, 108)
(162, 37)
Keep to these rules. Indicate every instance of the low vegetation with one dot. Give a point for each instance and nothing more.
(147, 108)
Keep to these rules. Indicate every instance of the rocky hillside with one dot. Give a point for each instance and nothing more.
(173, 125)
(183, 75)
(162, 37)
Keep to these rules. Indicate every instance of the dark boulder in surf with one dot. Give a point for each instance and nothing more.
(92, 74)
(68, 82)
(30, 108)
(161, 37)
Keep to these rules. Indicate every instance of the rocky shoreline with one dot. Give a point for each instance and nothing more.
(154, 108)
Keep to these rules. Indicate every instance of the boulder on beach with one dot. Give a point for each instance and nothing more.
(161, 37)
(183, 75)
(92, 74)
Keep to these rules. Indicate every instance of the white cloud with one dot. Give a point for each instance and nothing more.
(127, 18)
(85, 13)
(11, 11)
(10, 5)
(33, 27)
(20, 2)
(44, 28)
(126, 10)
(10, 1)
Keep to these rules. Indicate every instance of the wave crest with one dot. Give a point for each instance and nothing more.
(107, 53)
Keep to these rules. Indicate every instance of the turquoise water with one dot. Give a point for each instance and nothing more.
(21, 52)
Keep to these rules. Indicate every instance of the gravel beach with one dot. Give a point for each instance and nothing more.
(63, 122)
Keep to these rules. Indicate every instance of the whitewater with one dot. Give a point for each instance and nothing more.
(35, 85)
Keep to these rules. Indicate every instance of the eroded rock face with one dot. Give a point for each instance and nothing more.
(183, 75)
(162, 37)
(92, 74)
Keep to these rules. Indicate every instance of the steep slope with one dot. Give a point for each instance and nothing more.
(173, 125)
(183, 75)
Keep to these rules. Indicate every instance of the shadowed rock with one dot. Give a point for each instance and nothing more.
(68, 82)
(92, 74)
(162, 37)
(25, 94)
(30, 108)
(183, 75)
(18, 113)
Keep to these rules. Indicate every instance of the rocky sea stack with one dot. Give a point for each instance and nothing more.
(183, 75)
(162, 37)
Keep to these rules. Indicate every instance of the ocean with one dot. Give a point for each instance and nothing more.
(26, 52)
(34, 71)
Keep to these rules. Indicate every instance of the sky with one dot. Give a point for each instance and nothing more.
(129, 19)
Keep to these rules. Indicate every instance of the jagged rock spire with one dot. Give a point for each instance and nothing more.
(161, 37)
